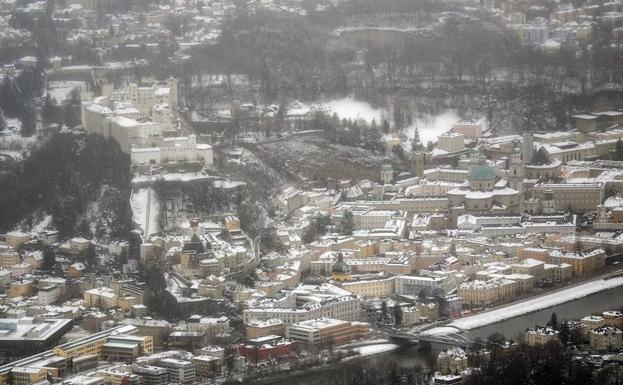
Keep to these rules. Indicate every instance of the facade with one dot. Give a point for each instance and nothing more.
(210, 326)
(126, 348)
(485, 293)
(9, 257)
(206, 366)
(180, 371)
(582, 263)
(152, 375)
(257, 329)
(541, 336)
(266, 348)
(371, 288)
(421, 312)
(28, 375)
(317, 301)
(326, 331)
(171, 150)
(606, 339)
(452, 361)
(580, 197)
(413, 285)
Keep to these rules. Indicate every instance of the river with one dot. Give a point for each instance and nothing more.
(611, 299)
(410, 356)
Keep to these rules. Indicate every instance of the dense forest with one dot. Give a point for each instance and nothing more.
(83, 182)
(550, 364)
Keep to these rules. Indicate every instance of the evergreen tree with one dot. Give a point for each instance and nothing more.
(2, 121)
(383, 310)
(309, 235)
(48, 111)
(49, 258)
(29, 120)
(320, 224)
(397, 314)
(618, 150)
(553, 321)
(347, 223)
(564, 333)
(90, 257)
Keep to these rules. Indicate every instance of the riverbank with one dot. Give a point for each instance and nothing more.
(528, 306)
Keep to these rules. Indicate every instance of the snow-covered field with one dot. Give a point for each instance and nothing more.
(528, 306)
(11, 141)
(430, 127)
(141, 214)
(171, 177)
(349, 108)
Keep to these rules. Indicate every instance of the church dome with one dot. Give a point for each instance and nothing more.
(482, 172)
(340, 266)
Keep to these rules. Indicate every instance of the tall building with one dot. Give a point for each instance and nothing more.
(515, 170)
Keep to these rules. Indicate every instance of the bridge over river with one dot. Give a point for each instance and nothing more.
(458, 332)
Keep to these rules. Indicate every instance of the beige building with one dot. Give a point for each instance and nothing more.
(100, 297)
(327, 331)
(541, 336)
(373, 288)
(613, 318)
(582, 263)
(451, 361)
(451, 142)
(592, 322)
(558, 273)
(257, 329)
(22, 288)
(421, 312)
(16, 238)
(606, 339)
(484, 293)
(8, 257)
(578, 196)
(531, 267)
(28, 375)
(210, 326)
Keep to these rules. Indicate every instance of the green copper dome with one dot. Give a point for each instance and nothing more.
(482, 172)
(340, 266)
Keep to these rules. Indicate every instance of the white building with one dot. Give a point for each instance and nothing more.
(48, 294)
(180, 371)
(178, 149)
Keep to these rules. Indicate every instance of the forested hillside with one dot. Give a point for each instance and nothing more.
(83, 182)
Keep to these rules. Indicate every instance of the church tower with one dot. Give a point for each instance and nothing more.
(418, 161)
(515, 170)
(387, 173)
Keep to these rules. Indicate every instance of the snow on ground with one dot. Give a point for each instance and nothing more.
(531, 305)
(178, 177)
(11, 141)
(376, 349)
(349, 108)
(140, 212)
(228, 184)
(42, 225)
(430, 127)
